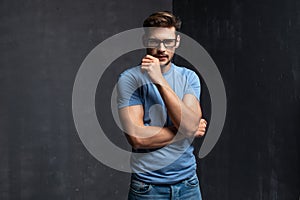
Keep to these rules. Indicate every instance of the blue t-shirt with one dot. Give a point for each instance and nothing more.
(174, 162)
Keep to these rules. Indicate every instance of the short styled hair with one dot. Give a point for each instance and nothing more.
(163, 19)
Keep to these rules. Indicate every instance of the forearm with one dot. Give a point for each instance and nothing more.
(148, 137)
(184, 118)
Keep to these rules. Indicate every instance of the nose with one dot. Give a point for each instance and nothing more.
(161, 47)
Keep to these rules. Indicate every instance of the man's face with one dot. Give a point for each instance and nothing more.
(161, 43)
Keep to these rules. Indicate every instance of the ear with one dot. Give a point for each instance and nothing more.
(177, 41)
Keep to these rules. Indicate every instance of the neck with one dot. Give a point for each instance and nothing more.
(165, 68)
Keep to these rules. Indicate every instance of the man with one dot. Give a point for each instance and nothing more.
(160, 112)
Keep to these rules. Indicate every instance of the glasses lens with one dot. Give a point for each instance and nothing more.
(153, 43)
(169, 42)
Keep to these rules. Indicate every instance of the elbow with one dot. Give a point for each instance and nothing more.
(140, 143)
(136, 142)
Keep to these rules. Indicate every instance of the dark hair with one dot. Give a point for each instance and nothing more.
(163, 19)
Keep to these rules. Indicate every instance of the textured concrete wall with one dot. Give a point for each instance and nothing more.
(42, 45)
(256, 46)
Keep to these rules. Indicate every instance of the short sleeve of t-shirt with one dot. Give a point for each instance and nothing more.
(127, 91)
(193, 85)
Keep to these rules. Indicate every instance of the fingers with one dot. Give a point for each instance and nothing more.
(149, 59)
(199, 133)
(148, 62)
(203, 121)
(201, 128)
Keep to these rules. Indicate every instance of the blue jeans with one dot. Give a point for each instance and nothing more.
(185, 190)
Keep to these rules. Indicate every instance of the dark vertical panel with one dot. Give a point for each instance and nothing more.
(256, 46)
(42, 45)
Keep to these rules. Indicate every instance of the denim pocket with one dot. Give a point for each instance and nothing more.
(192, 182)
(140, 187)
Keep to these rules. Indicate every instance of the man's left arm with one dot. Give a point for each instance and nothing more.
(186, 113)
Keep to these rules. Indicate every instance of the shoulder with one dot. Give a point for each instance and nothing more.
(188, 73)
(131, 72)
(133, 75)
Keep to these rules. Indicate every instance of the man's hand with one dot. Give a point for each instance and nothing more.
(151, 65)
(201, 129)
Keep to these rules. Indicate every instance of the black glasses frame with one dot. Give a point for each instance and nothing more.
(165, 41)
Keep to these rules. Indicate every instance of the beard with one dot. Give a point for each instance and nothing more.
(164, 59)
(165, 64)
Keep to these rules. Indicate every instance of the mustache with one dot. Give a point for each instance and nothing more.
(160, 55)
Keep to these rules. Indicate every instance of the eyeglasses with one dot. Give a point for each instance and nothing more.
(155, 43)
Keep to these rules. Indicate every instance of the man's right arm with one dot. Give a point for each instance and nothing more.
(145, 137)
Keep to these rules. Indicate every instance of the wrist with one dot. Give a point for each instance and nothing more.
(161, 83)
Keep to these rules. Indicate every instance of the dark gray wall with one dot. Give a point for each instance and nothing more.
(42, 45)
(256, 46)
